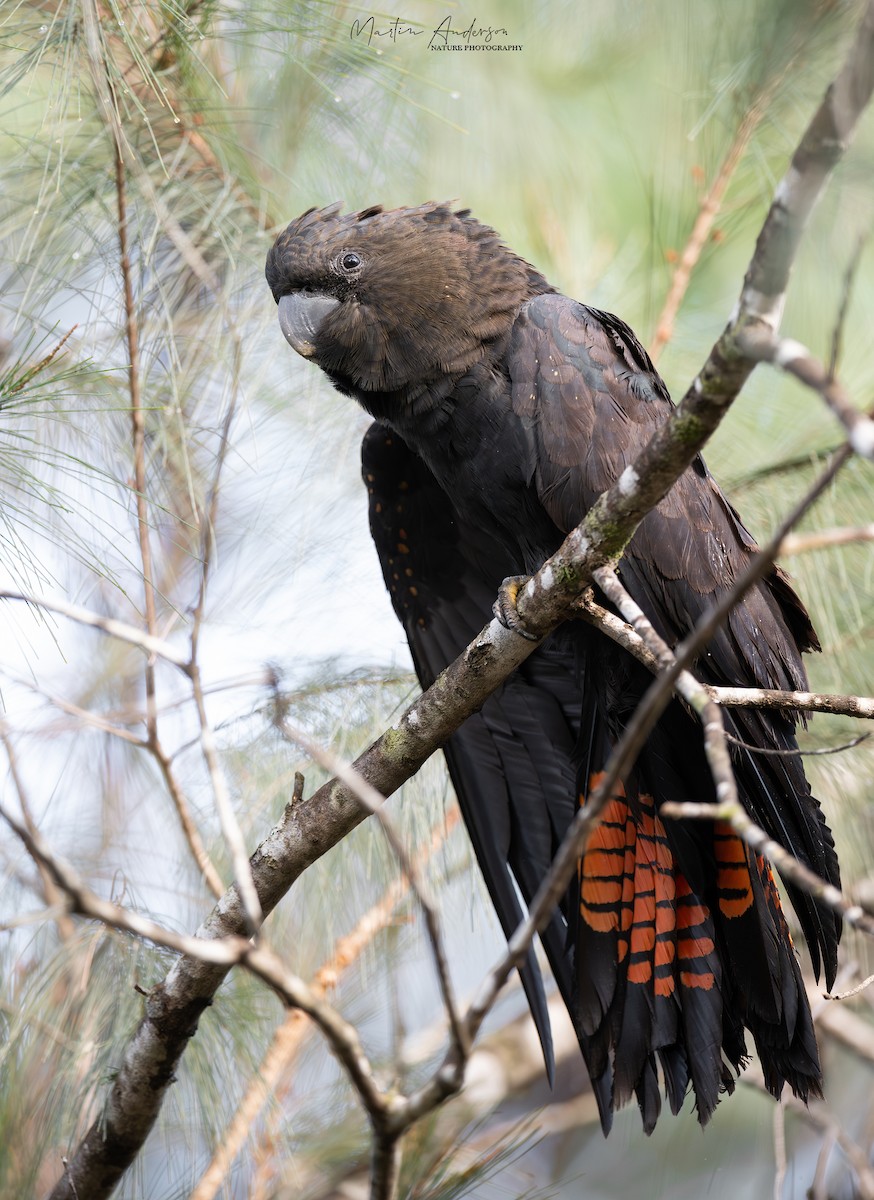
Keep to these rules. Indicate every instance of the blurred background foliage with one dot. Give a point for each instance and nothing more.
(591, 149)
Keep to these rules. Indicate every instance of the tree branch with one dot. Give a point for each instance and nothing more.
(760, 345)
(108, 625)
(787, 864)
(374, 803)
(287, 1039)
(624, 635)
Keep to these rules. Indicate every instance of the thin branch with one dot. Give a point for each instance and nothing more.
(854, 991)
(289, 1035)
(818, 1188)
(789, 867)
(211, 509)
(842, 706)
(190, 831)
(845, 1026)
(84, 715)
(693, 692)
(231, 830)
(762, 345)
(108, 625)
(707, 212)
(824, 539)
(844, 307)
(52, 894)
(797, 752)
(779, 1122)
(374, 802)
(138, 428)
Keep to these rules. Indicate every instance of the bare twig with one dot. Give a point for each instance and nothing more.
(208, 519)
(779, 1149)
(762, 345)
(796, 751)
(693, 692)
(84, 715)
(787, 864)
(51, 892)
(288, 1037)
(845, 1026)
(844, 307)
(707, 212)
(842, 706)
(189, 829)
(824, 539)
(819, 1188)
(138, 426)
(107, 625)
(853, 991)
(231, 830)
(374, 803)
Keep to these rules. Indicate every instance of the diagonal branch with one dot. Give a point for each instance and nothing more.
(729, 697)
(108, 625)
(707, 213)
(761, 345)
(374, 803)
(268, 1077)
(735, 815)
(693, 692)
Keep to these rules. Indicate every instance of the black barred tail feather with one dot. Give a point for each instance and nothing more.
(648, 975)
(669, 973)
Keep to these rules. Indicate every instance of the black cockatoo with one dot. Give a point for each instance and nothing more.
(502, 410)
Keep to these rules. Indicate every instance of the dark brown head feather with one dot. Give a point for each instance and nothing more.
(432, 290)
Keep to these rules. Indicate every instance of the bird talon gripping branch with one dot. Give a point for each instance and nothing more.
(504, 608)
(503, 410)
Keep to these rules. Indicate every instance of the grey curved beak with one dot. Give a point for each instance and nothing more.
(300, 316)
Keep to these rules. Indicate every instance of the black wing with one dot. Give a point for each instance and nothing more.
(592, 399)
(512, 764)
